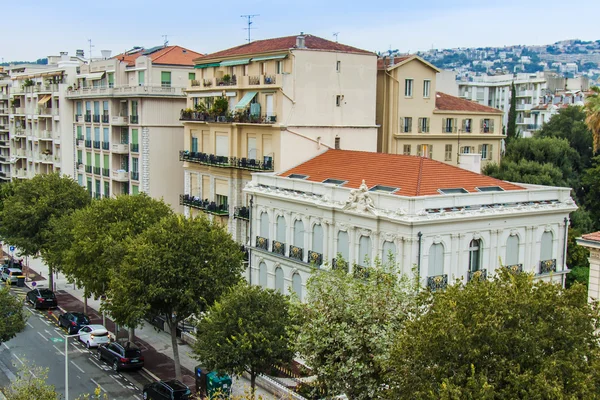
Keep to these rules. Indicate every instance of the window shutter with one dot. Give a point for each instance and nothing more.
(444, 125)
(427, 121)
(464, 125)
(401, 123)
(419, 150)
(480, 149)
(430, 151)
(409, 122)
(481, 125)
(454, 124)
(489, 155)
(420, 127)
(491, 126)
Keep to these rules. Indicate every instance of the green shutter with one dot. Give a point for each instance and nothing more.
(191, 76)
(79, 156)
(79, 132)
(97, 160)
(88, 158)
(135, 189)
(134, 136)
(165, 78)
(141, 78)
(106, 162)
(111, 78)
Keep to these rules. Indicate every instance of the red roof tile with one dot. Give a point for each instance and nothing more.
(387, 61)
(170, 55)
(285, 43)
(446, 102)
(415, 176)
(595, 236)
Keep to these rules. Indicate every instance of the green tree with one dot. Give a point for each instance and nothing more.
(511, 129)
(28, 213)
(31, 385)
(591, 184)
(592, 110)
(248, 329)
(503, 338)
(177, 268)
(12, 318)
(526, 171)
(347, 327)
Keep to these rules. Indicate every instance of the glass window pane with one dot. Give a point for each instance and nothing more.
(546, 246)
(343, 245)
(280, 237)
(299, 234)
(279, 280)
(317, 240)
(436, 260)
(262, 274)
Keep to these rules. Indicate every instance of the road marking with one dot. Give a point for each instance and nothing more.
(97, 384)
(44, 337)
(44, 321)
(30, 310)
(18, 359)
(57, 349)
(118, 381)
(137, 397)
(4, 344)
(78, 367)
(29, 325)
(47, 331)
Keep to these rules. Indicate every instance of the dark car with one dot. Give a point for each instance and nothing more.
(73, 321)
(171, 390)
(42, 298)
(121, 355)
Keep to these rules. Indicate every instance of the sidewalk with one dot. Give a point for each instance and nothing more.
(159, 353)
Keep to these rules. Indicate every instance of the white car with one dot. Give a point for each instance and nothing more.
(93, 335)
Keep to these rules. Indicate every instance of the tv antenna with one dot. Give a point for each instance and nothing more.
(336, 36)
(165, 39)
(91, 45)
(249, 28)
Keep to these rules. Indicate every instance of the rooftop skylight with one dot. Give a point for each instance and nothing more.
(297, 176)
(337, 182)
(453, 191)
(384, 189)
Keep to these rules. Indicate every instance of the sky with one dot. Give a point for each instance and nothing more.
(35, 29)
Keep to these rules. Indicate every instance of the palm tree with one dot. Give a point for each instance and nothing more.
(592, 109)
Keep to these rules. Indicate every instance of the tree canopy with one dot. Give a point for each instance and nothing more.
(248, 329)
(12, 318)
(511, 129)
(503, 338)
(592, 110)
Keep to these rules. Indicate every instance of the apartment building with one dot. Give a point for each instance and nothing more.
(591, 241)
(126, 121)
(40, 123)
(447, 222)
(266, 106)
(415, 119)
(5, 84)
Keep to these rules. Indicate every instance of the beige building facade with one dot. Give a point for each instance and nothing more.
(5, 85)
(591, 241)
(267, 106)
(415, 119)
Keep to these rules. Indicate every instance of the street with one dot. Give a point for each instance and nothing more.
(42, 344)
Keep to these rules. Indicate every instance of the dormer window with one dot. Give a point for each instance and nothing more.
(297, 176)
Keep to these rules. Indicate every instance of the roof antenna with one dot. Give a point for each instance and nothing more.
(336, 36)
(166, 40)
(249, 28)
(91, 45)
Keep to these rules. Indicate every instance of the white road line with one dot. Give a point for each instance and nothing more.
(29, 325)
(43, 337)
(78, 367)
(18, 359)
(44, 321)
(137, 397)
(97, 384)
(4, 344)
(57, 349)
(29, 309)
(32, 374)
(118, 381)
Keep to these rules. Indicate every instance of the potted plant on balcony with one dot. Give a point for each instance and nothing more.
(220, 107)
(226, 79)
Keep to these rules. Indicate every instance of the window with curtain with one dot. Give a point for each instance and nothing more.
(262, 274)
(264, 225)
(299, 233)
(512, 250)
(280, 235)
(96, 108)
(546, 246)
(79, 107)
(135, 189)
(343, 245)
(165, 79)
(79, 156)
(364, 251)
(279, 280)
(134, 136)
(96, 134)
(135, 164)
(88, 133)
(106, 161)
(88, 159)
(194, 145)
(252, 148)
(475, 255)
(106, 135)
(106, 189)
(436, 260)
(317, 239)
(297, 285)
(389, 252)
(222, 143)
(141, 78)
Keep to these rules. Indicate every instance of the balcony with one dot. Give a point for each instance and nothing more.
(226, 162)
(87, 117)
(4, 143)
(106, 172)
(88, 143)
(339, 264)
(240, 82)
(296, 253)
(524, 107)
(262, 243)
(80, 142)
(39, 88)
(134, 119)
(17, 110)
(208, 206)
(79, 118)
(21, 173)
(96, 144)
(45, 135)
(96, 170)
(3, 127)
(105, 146)
(124, 91)
(242, 213)
(120, 148)
(524, 93)
(437, 282)
(135, 147)
(230, 81)
(19, 132)
(278, 248)
(547, 266)
(88, 169)
(120, 175)
(120, 120)
(96, 118)
(4, 174)
(105, 118)
(315, 259)
(515, 268)
(4, 158)
(19, 153)
(80, 167)
(4, 111)
(243, 117)
(480, 275)
(135, 175)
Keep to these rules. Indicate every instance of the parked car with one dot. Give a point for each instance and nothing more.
(73, 321)
(93, 335)
(171, 390)
(42, 298)
(10, 274)
(121, 355)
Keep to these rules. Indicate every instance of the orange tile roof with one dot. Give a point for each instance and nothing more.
(415, 176)
(170, 55)
(446, 102)
(595, 236)
(285, 43)
(387, 61)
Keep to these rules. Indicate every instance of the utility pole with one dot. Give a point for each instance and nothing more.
(249, 28)
(91, 45)
(336, 36)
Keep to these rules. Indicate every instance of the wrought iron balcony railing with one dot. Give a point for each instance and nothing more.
(105, 145)
(97, 118)
(208, 206)
(480, 275)
(262, 243)
(242, 213)
(88, 169)
(106, 172)
(278, 248)
(226, 162)
(315, 259)
(339, 263)
(296, 252)
(135, 147)
(87, 117)
(437, 282)
(96, 144)
(97, 170)
(134, 119)
(239, 117)
(88, 144)
(105, 119)
(547, 266)
(135, 175)
(515, 268)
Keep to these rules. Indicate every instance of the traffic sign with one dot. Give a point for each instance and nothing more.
(12, 248)
(57, 339)
(34, 283)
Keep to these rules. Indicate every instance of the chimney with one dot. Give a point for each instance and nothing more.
(391, 60)
(79, 53)
(105, 54)
(64, 56)
(300, 41)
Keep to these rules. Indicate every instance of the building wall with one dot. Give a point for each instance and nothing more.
(594, 280)
(160, 165)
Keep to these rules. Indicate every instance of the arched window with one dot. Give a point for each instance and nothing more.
(264, 225)
(297, 285)
(317, 239)
(299, 233)
(280, 236)
(262, 274)
(475, 255)
(364, 251)
(343, 245)
(546, 246)
(436, 260)
(512, 250)
(389, 253)
(279, 280)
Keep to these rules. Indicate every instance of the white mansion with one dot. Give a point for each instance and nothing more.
(448, 222)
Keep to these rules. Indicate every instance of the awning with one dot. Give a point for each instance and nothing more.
(278, 57)
(212, 94)
(44, 99)
(231, 63)
(207, 65)
(245, 100)
(95, 76)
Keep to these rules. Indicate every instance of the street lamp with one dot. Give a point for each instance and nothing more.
(67, 364)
